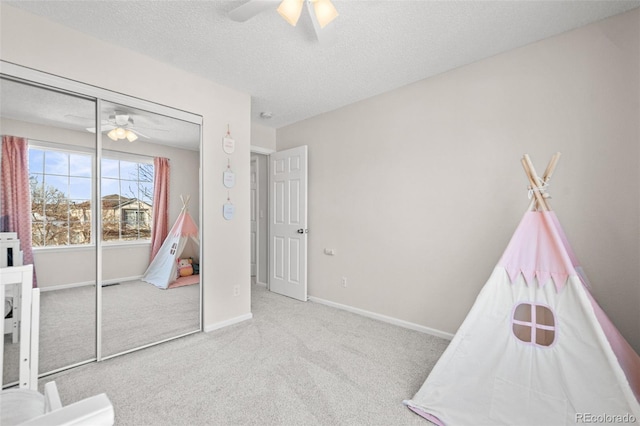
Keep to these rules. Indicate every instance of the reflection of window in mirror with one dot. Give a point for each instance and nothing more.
(127, 197)
(60, 184)
(60, 187)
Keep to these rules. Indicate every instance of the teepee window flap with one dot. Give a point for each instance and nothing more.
(534, 324)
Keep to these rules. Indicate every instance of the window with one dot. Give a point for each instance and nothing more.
(534, 324)
(60, 185)
(61, 196)
(127, 198)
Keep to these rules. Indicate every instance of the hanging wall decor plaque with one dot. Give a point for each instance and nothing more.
(229, 178)
(228, 145)
(228, 210)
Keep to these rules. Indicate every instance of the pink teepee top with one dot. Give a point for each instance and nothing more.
(184, 225)
(538, 248)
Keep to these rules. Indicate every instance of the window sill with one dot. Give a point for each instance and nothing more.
(105, 245)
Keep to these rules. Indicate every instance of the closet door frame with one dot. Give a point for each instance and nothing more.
(98, 94)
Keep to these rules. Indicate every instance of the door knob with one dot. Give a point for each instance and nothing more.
(302, 231)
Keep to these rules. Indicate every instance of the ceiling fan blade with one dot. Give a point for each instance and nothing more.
(83, 118)
(155, 129)
(140, 134)
(103, 128)
(250, 9)
(314, 21)
(78, 117)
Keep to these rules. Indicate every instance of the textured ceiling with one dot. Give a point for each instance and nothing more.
(41, 106)
(371, 48)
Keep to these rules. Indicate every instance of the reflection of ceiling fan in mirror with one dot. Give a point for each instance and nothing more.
(120, 126)
(322, 12)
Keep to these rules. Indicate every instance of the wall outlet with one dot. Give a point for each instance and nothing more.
(236, 290)
(343, 281)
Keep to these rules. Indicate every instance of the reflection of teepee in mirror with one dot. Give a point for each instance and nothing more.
(182, 242)
(536, 348)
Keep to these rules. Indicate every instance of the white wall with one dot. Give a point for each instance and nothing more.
(419, 190)
(34, 42)
(263, 137)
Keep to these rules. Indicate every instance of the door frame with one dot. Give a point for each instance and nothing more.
(255, 213)
(259, 254)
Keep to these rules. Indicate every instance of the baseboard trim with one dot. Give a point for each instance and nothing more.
(383, 318)
(82, 284)
(66, 286)
(227, 323)
(260, 283)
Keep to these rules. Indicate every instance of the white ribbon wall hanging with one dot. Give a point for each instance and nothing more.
(228, 209)
(228, 177)
(228, 144)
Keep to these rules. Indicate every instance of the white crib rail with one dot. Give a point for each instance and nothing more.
(29, 322)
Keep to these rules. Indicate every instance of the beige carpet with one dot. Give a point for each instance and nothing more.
(294, 363)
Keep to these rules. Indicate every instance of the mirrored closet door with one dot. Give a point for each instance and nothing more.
(114, 211)
(48, 147)
(150, 163)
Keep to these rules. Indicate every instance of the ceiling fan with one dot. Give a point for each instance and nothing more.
(119, 126)
(322, 12)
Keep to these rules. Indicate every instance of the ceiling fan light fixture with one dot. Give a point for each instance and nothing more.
(113, 135)
(325, 12)
(131, 136)
(121, 119)
(121, 133)
(290, 10)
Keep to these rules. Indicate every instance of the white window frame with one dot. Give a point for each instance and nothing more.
(67, 149)
(134, 158)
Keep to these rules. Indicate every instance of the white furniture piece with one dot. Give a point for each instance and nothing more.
(22, 276)
(11, 255)
(25, 406)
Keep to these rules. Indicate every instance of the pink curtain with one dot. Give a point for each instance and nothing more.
(160, 204)
(15, 198)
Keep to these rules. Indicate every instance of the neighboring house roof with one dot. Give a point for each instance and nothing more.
(114, 201)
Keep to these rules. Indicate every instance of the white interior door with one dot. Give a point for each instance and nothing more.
(254, 217)
(288, 223)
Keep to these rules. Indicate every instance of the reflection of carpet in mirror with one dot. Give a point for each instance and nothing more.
(135, 313)
(182, 281)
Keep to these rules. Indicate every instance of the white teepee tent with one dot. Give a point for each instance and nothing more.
(182, 241)
(535, 349)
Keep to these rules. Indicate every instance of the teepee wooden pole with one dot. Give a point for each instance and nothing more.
(533, 180)
(532, 170)
(540, 182)
(551, 167)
